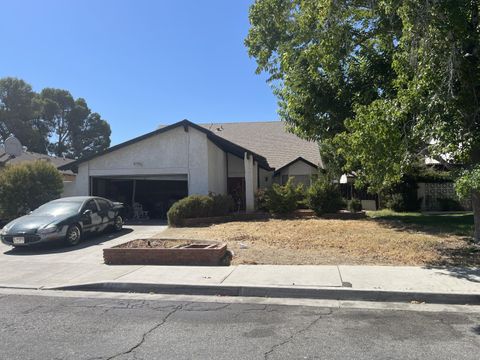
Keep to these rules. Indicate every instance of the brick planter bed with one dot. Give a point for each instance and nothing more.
(157, 252)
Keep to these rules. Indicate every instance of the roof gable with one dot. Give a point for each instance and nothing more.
(222, 143)
(270, 139)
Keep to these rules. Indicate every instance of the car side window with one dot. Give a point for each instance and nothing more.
(104, 205)
(91, 206)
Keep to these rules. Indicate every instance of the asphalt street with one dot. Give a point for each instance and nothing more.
(48, 327)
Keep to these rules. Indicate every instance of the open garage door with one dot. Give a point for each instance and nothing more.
(154, 195)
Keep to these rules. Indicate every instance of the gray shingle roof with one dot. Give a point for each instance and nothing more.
(269, 139)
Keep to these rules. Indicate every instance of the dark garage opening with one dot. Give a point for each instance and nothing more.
(154, 196)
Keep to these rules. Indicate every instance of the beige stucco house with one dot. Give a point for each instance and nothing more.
(184, 158)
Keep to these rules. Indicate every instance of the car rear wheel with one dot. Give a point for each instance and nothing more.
(118, 223)
(74, 235)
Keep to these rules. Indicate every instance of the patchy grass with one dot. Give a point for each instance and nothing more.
(453, 223)
(382, 239)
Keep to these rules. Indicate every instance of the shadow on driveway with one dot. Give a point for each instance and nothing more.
(60, 247)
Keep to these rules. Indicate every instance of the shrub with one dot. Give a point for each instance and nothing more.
(402, 202)
(395, 202)
(324, 197)
(354, 205)
(449, 204)
(26, 186)
(403, 197)
(283, 199)
(260, 201)
(195, 206)
(222, 204)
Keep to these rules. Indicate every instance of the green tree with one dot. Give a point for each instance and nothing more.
(75, 130)
(26, 186)
(323, 58)
(20, 114)
(386, 82)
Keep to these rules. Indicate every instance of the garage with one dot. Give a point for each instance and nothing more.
(143, 197)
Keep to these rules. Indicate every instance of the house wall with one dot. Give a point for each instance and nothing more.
(217, 169)
(175, 152)
(68, 188)
(298, 168)
(265, 178)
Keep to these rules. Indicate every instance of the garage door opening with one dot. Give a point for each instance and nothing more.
(154, 197)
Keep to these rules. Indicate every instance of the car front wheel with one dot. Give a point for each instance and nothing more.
(74, 235)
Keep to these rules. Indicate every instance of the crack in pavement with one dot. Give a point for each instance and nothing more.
(148, 332)
(206, 309)
(295, 334)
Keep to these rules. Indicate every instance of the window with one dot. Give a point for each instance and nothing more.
(90, 205)
(104, 205)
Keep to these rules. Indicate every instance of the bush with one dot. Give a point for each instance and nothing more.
(354, 205)
(222, 204)
(260, 201)
(26, 186)
(403, 197)
(449, 204)
(395, 202)
(283, 199)
(324, 197)
(195, 206)
(401, 202)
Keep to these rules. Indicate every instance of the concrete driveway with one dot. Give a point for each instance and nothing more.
(56, 264)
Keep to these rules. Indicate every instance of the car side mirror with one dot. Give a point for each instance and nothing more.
(87, 212)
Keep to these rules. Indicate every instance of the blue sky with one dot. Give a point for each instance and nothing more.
(139, 63)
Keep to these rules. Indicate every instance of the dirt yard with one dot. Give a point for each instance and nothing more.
(320, 241)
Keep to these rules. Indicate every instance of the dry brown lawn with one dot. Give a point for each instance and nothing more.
(320, 241)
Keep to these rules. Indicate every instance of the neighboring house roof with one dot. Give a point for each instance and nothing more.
(221, 142)
(33, 156)
(269, 139)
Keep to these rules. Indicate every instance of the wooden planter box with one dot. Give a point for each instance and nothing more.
(199, 254)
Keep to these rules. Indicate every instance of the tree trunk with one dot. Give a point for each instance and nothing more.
(476, 215)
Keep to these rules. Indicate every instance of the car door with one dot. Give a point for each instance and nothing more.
(106, 213)
(91, 218)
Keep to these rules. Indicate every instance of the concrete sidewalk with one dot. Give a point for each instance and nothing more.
(275, 280)
(73, 267)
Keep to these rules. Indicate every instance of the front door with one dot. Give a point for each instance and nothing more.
(236, 189)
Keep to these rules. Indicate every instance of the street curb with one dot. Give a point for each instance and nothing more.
(346, 294)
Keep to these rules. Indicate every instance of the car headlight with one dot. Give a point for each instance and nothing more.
(5, 229)
(47, 229)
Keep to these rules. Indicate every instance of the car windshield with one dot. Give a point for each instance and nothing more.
(57, 209)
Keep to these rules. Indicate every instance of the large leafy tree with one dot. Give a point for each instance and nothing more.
(385, 82)
(75, 130)
(20, 114)
(323, 57)
(50, 122)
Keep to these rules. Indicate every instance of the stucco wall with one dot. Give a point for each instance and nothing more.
(265, 178)
(217, 169)
(298, 168)
(68, 188)
(171, 153)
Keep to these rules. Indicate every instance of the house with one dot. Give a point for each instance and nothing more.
(165, 165)
(22, 155)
